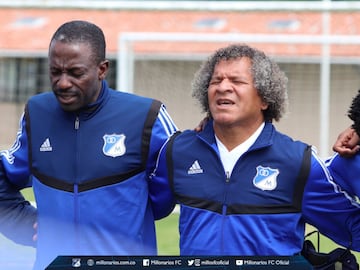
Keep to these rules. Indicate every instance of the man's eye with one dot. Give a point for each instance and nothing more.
(55, 72)
(214, 82)
(76, 73)
(236, 80)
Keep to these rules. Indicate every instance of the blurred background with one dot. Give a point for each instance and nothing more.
(155, 47)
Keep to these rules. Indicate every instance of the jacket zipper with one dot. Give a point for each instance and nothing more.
(77, 123)
(76, 186)
(224, 205)
(224, 209)
(227, 181)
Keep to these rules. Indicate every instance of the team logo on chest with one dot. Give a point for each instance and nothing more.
(114, 145)
(265, 178)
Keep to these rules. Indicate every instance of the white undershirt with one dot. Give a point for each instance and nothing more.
(229, 158)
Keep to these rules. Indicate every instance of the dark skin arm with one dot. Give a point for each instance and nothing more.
(347, 143)
(202, 124)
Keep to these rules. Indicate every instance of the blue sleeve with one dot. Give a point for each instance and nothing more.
(17, 216)
(332, 211)
(159, 192)
(346, 173)
(15, 161)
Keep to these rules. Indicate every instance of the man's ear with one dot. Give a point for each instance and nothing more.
(103, 68)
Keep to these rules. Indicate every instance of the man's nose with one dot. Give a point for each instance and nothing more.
(64, 81)
(224, 85)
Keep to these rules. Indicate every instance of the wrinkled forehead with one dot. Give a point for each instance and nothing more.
(243, 63)
(65, 46)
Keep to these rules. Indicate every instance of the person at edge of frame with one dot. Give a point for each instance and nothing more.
(243, 187)
(87, 151)
(344, 165)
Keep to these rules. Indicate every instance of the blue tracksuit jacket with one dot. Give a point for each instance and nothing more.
(90, 174)
(346, 173)
(276, 187)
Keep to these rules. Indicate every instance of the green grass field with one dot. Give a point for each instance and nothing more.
(168, 237)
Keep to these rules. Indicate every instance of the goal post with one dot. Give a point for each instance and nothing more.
(127, 56)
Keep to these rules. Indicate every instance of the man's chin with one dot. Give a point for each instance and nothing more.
(69, 107)
(224, 119)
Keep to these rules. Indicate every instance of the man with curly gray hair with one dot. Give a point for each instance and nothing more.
(268, 79)
(243, 187)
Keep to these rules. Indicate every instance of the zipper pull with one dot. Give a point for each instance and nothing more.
(77, 122)
(227, 177)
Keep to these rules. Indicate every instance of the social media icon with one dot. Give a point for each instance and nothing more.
(239, 262)
(76, 262)
(190, 262)
(146, 262)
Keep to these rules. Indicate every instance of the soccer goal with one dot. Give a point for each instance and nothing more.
(323, 71)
